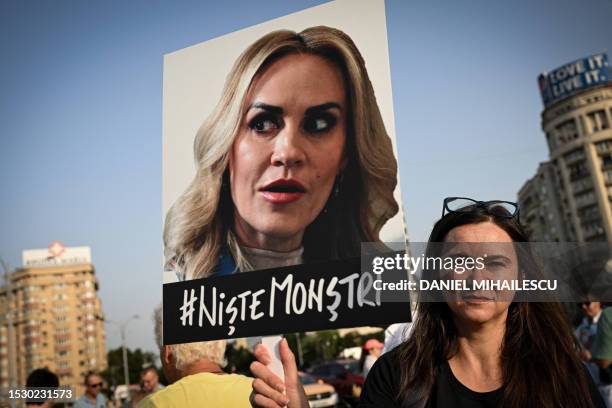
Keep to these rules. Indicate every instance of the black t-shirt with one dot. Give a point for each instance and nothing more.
(383, 382)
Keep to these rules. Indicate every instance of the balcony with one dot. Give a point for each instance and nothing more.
(67, 372)
(62, 347)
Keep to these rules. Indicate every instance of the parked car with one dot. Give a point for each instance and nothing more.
(319, 393)
(123, 393)
(344, 375)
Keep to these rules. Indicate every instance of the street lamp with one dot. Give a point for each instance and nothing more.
(122, 327)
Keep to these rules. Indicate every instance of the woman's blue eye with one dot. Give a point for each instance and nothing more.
(263, 124)
(318, 124)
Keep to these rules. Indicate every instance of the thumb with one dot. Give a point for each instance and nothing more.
(289, 365)
(294, 389)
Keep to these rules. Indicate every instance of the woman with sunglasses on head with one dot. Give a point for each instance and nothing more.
(482, 350)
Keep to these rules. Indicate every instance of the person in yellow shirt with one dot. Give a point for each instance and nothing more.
(196, 376)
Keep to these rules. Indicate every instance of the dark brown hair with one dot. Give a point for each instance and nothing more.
(540, 366)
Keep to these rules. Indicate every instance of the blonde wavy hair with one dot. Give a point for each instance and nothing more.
(188, 353)
(199, 225)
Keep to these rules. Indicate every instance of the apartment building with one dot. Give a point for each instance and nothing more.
(56, 314)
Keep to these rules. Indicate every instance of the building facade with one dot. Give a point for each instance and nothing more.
(579, 139)
(540, 204)
(577, 122)
(57, 317)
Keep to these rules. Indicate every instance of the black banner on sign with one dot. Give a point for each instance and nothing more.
(310, 297)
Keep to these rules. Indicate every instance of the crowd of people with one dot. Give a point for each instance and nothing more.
(463, 352)
(594, 333)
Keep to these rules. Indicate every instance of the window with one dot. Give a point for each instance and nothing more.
(567, 131)
(574, 155)
(586, 199)
(592, 230)
(581, 185)
(604, 146)
(322, 371)
(598, 120)
(577, 170)
(336, 370)
(590, 213)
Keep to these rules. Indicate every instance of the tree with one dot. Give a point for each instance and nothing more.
(137, 360)
(327, 345)
(238, 360)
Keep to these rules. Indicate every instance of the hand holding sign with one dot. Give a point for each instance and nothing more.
(272, 345)
(268, 389)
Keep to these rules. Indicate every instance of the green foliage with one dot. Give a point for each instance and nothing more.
(238, 360)
(316, 347)
(137, 360)
(326, 345)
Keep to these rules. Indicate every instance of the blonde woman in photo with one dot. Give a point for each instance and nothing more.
(294, 165)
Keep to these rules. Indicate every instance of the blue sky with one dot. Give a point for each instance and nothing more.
(81, 98)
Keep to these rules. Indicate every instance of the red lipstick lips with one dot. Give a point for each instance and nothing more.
(283, 191)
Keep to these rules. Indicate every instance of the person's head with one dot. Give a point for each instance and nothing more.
(590, 309)
(295, 153)
(539, 363)
(39, 378)
(479, 231)
(149, 379)
(93, 384)
(373, 347)
(179, 360)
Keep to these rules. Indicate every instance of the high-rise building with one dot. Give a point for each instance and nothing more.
(577, 120)
(541, 211)
(56, 314)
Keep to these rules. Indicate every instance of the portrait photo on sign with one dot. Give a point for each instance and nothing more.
(279, 148)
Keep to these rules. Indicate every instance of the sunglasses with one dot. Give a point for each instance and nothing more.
(496, 208)
(96, 385)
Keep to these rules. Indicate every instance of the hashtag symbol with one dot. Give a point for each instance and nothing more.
(187, 307)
